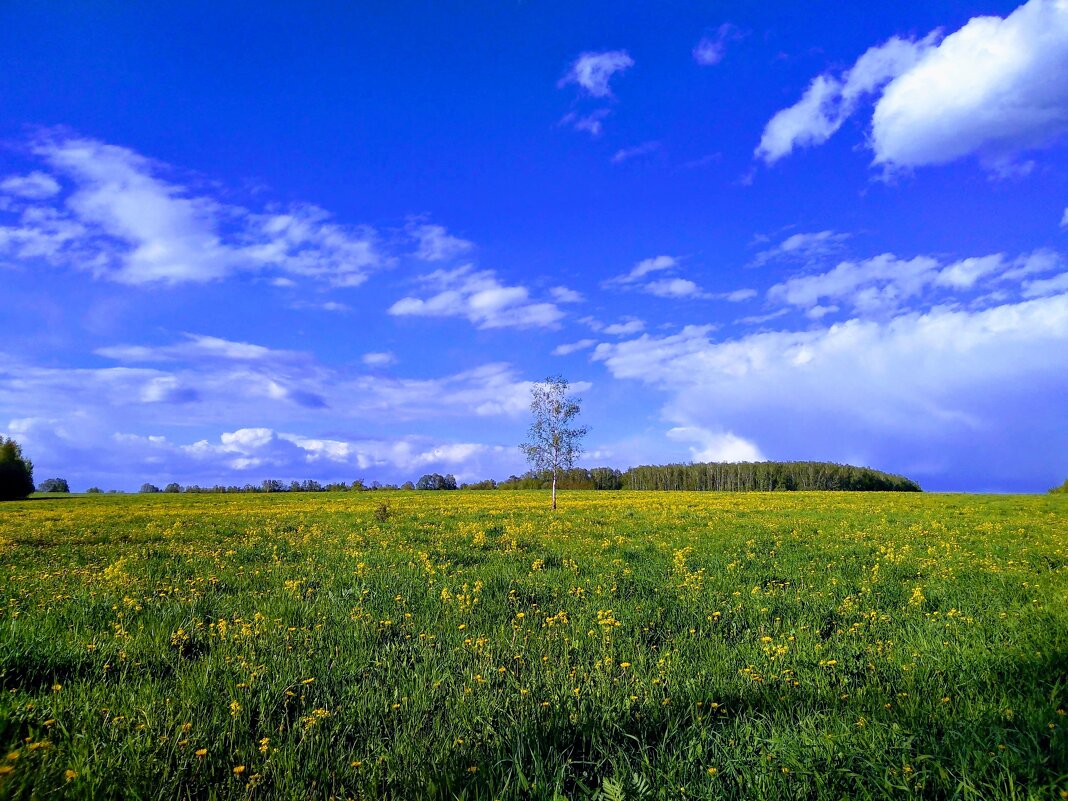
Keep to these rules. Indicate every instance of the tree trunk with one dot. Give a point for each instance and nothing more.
(554, 489)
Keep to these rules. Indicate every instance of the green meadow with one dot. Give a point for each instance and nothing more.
(476, 645)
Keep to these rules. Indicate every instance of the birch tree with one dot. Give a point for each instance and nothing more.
(553, 442)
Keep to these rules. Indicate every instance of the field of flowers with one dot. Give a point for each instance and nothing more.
(476, 645)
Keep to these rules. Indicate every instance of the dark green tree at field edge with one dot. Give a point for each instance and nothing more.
(16, 472)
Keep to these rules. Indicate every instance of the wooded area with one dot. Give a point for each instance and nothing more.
(725, 477)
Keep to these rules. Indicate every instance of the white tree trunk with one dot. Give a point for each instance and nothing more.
(554, 489)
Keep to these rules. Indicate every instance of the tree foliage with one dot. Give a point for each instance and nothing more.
(436, 481)
(553, 442)
(54, 485)
(16, 472)
(1061, 490)
(765, 477)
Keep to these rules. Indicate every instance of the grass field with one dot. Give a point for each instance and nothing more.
(475, 645)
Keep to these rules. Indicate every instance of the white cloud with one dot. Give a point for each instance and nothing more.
(435, 243)
(830, 100)
(1038, 261)
(1046, 286)
(592, 123)
(949, 395)
(627, 153)
(573, 347)
(1064, 219)
(379, 359)
(82, 418)
(593, 71)
(884, 283)
(711, 49)
(125, 222)
(644, 268)
(806, 248)
(739, 295)
(990, 88)
(35, 186)
(200, 346)
(481, 298)
(665, 287)
(985, 90)
(629, 325)
(250, 455)
(561, 294)
(216, 381)
(716, 446)
(880, 281)
(965, 273)
(674, 288)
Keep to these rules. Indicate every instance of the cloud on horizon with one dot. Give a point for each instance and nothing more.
(937, 395)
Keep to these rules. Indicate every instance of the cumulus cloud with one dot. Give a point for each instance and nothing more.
(1046, 286)
(212, 382)
(257, 449)
(300, 418)
(126, 218)
(35, 186)
(985, 90)
(988, 89)
(481, 298)
(739, 295)
(120, 460)
(573, 347)
(435, 243)
(886, 283)
(716, 446)
(644, 268)
(628, 325)
(379, 359)
(593, 71)
(561, 294)
(1064, 219)
(806, 248)
(662, 287)
(938, 395)
(674, 288)
(830, 100)
(711, 49)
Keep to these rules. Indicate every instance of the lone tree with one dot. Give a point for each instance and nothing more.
(553, 443)
(16, 473)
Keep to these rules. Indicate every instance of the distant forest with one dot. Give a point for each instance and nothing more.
(722, 477)
(714, 476)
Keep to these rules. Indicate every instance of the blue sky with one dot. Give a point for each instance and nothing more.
(252, 241)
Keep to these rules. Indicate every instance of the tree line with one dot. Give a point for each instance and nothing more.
(765, 477)
(722, 477)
